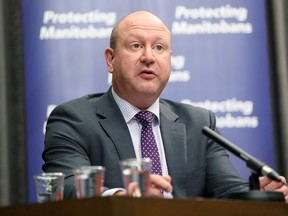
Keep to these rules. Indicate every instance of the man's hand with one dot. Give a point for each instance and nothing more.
(158, 184)
(269, 185)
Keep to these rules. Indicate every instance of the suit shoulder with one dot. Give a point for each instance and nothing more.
(82, 104)
(191, 116)
(89, 98)
(178, 106)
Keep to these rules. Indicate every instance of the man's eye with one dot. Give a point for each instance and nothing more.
(135, 46)
(159, 47)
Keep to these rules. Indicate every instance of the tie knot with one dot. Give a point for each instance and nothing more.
(145, 117)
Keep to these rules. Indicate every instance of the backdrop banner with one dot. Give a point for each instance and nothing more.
(220, 61)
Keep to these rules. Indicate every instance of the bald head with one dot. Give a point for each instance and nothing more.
(144, 18)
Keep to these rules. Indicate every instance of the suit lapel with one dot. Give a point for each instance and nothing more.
(113, 123)
(173, 135)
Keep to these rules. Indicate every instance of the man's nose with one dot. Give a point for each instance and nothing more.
(148, 56)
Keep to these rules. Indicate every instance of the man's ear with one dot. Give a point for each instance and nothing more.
(109, 56)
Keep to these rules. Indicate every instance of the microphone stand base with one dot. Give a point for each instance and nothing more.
(257, 195)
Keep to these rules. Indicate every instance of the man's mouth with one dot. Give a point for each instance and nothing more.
(148, 72)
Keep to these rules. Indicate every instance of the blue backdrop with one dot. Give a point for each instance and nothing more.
(220, 61)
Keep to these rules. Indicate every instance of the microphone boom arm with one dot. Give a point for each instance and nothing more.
(255, 165)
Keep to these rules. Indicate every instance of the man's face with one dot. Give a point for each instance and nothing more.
(141, 61)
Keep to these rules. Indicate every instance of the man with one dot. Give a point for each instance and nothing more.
(102, 129)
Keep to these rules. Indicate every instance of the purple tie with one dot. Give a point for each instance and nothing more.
(148, 144)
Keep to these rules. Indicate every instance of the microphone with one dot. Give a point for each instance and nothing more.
(256, 166)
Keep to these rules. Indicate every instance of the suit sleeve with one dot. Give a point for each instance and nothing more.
(222, 178)
(66, 144)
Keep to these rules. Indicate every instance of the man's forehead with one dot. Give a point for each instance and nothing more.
(145, 27)
(145, 33)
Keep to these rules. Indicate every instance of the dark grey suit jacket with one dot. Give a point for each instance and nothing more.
(92, 131)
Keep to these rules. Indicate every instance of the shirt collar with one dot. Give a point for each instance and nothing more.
(129, 111)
